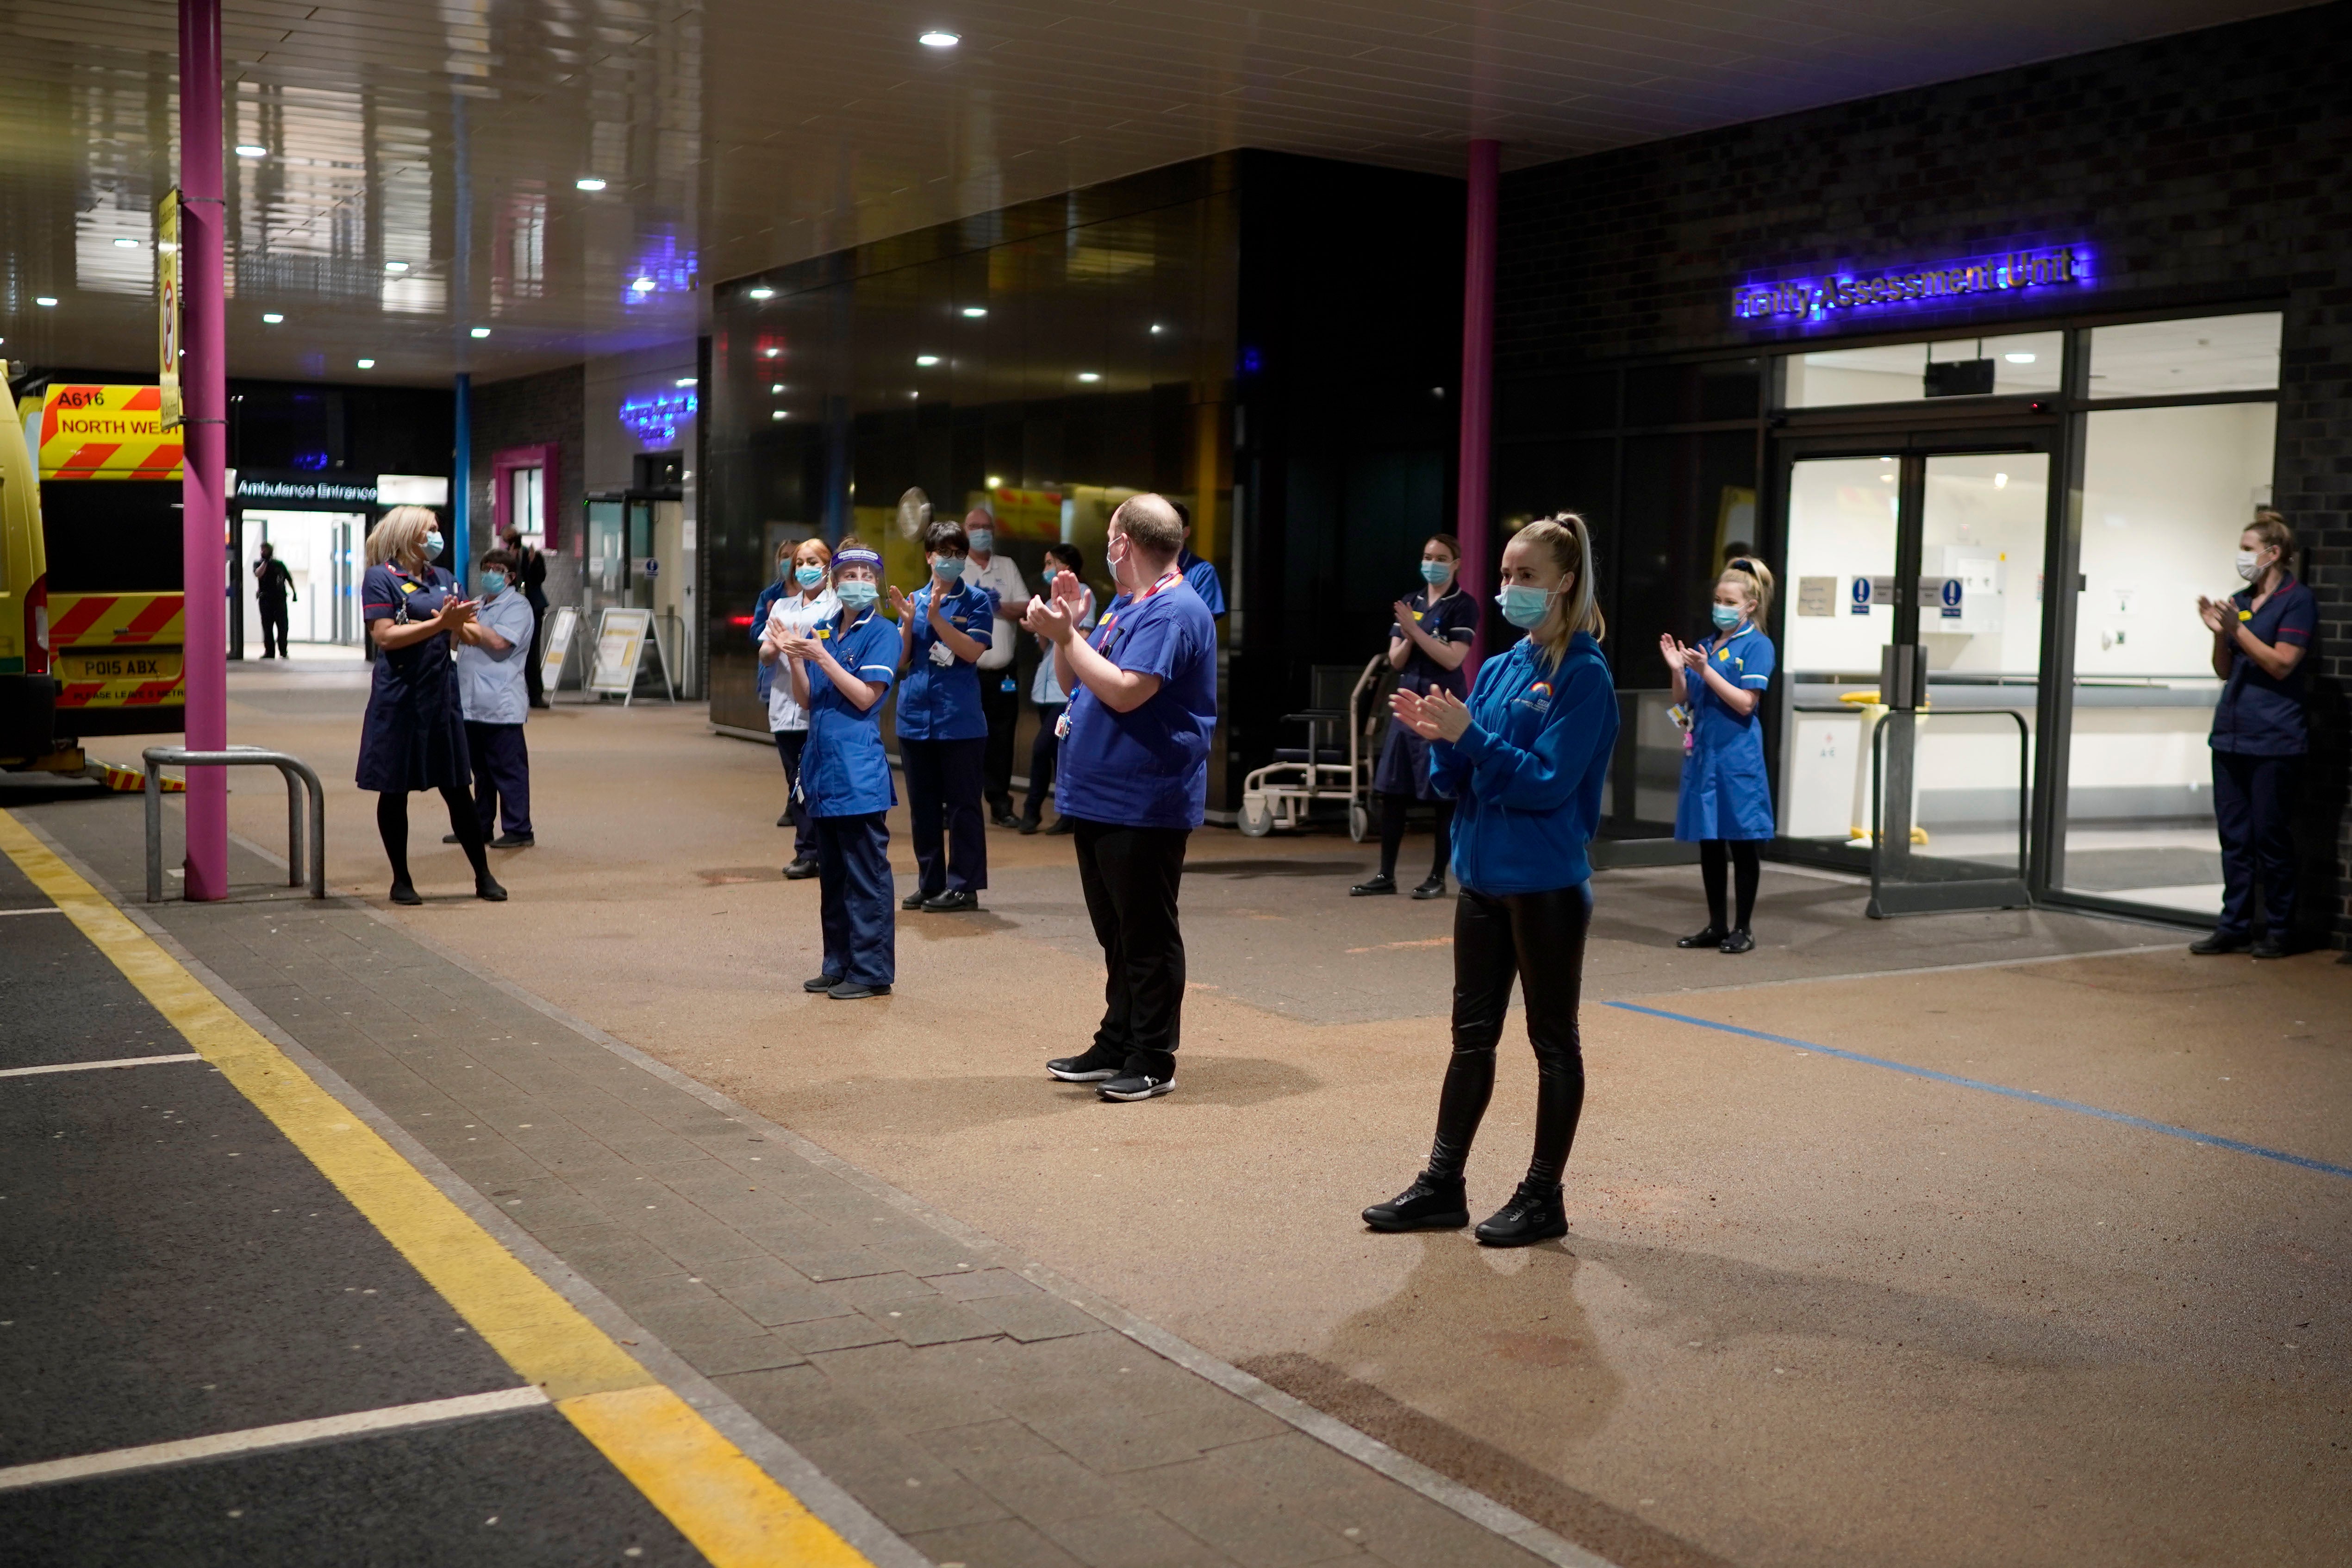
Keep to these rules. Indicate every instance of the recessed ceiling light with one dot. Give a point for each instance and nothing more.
(1089, 375)
(927, 359)
(588, 183)
(126, 245)
(641, 285)
(2019, 359)
(46, 300)
(367, 365)
(974, 312)
(774, 387)
(395, 266)
(2001, 481)
(771, 354)
(1157, 329)
(996, 482)
(251, 149)
(778, 413)
(482, 332)
(683, 381)
(271, 318)
(763, 292)
(939, 38)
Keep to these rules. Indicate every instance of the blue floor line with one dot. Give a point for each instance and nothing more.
(2142, 1123)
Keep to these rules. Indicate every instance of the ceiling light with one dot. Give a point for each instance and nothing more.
(588, 183)
(778, 413)
(271, 318)
(482, 332)
(641, 285)
(395, 266)
(1089, 375)
(774, 387)
(367, 365)
(1157, 329)
(1886, 478)
(46, 300)
(996, 482)
(939, 38)
(974, 312)
(2001, 481)
(251, 149)
(2019, 359)
(927, 359)
(770, 354)
(126, 245)
(763, 292)
(683, 381)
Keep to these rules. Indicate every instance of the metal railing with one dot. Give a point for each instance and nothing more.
(298, 777)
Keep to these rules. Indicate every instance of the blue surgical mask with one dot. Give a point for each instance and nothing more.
(947, 568)
(808, 576)
(494, 583)
(982, 541)
(1051, 570)
(432, 544)
(857, 593)
(1436, 571)
(1726, 616)
(1523, 606)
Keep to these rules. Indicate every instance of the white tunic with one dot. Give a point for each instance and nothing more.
(793, 616)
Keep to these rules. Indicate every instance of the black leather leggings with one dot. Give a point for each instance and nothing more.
(1536, 939)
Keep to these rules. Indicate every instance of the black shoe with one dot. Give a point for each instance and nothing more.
(1434, 888)
(2267, 946)
(2221, 942)
(955, 902)
(450, 838)
(914, 900)
(854, 991)
(514, 841)
(1431, 1203)
(401, 893)
(1738, 942)
(1528, 1218)
(799, 871)
(1061, 825)
(785, 820)
(1708, 936)
(1378, 882)
(487, 889)
(1088, 1067)
(1136, 1085)
(1004, 818)
(1028, 824)
(821, 983)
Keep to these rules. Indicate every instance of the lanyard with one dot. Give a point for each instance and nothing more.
(1172, 577)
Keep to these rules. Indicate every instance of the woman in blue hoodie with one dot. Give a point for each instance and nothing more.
(1525, 760)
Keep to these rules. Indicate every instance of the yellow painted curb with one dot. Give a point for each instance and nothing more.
(731, 1509)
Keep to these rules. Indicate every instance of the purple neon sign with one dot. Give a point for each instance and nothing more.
(1940, 283)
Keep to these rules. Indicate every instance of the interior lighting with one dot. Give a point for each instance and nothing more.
(367, 365)
(251, 149)
(2001, 481)
(126, 245)
(395, 266)
(2019, 359)
(939, 38)
(641, 285)
(683, 381)
(774, 387)
(1886, 478)
(926, 361)
(482, 332)
(271, 318)
(778, 413)
(771, 354)
(1157, 329)
(996, 482)
(974, 312)
(1089, 375)
(588, 183)
(46, 302)
(763, 292)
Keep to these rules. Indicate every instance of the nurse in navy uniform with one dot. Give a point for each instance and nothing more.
(414, 736)
(1427, 646)
(1726, 803)
(840, 672)
(947, 626)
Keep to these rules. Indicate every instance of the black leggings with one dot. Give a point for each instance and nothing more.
(1746, 868)
(1392, 810)
(391, 826)
(1538, 939)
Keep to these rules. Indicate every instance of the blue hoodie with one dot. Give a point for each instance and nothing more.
(1527, 777)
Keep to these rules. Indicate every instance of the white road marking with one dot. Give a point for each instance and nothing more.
(50, 909)
(257, 1439)
(93, 1066)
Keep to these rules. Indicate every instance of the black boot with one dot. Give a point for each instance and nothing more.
(1533, 1214)
(1431, 1203)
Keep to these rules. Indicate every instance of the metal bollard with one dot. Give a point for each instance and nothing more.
(298, 777)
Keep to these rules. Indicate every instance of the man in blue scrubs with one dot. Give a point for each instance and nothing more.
(1200, 576)
(1134, 778)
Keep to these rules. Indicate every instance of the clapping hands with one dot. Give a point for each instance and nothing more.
(1434, 716)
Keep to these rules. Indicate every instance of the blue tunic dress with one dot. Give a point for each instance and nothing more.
(1404, 767)
(1724, 792)
(414, 736)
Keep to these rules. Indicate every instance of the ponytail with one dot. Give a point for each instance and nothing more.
(1578, 609)
(1757, 578)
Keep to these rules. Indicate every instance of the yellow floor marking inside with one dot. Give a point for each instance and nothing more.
(731, 1509)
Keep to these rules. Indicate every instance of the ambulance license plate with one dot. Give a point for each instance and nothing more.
(118, 664)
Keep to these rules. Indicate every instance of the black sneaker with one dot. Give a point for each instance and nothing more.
(403, 893)
(821, 983)
(2221, 942)
(1004, 818)
(857, 991)
(451, 838)
(1061, 825)
(1431, 1203)
(785, 820)
(1086, 1067)
(1736, 942)
(1028, 826)
(1378, 882)
(1434, 888)
(799, 871)
(1136, 1085)
(514, 841)
(956, 902)
(2267, 946)
(1528, 1218)
(487, 889)
(1706, 936)
(914, 900)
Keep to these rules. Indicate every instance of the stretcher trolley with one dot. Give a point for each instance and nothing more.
(1335, 767)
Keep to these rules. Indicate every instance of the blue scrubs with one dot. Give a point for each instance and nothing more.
(845, 779)
(414, 736)
(943, 741)
(1404, 757)
(1525, 778)
(1201, 577)
(1148, 767)
(2260, 738)
(1724, 792)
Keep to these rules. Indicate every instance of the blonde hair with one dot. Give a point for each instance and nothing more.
(1569, 541)
(400, 534)
(2273, 530)
(1757, 578)
(824, 551)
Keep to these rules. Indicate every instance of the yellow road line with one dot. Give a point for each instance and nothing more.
(731, 1509)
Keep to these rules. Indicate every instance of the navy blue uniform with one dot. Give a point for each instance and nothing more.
(1404, 757)
(845, 778)
(414, 734)
(2260, 737)
(943, 742)
(1725, 791)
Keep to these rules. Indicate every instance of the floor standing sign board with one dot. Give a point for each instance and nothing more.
(622, 636)
(560, 630)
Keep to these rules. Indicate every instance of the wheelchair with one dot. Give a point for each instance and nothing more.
(1288, 791)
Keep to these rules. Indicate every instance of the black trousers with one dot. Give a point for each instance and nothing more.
(501, 776)
(789, 743)
(530, 676)
(1536, 939)
(1130, 877)
(2254, 811)
(1000, 704)
(273, 628)
(943, 793)
(1044, 753)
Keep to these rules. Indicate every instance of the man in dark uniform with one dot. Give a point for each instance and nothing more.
(273, 586)
(530, 566)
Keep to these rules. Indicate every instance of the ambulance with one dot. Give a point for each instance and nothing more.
(91, 574)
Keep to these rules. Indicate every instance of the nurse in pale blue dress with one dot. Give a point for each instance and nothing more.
(1726, 807)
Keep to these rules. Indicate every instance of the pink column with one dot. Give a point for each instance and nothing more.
(1473, 521)
(204, 382)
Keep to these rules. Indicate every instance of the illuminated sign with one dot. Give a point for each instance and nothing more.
(1946, 282)
(656, 416)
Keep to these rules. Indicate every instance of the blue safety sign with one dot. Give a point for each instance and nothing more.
(1861, 606)
(1951, 598)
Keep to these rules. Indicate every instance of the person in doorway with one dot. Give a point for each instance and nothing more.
(797, 612)
(948, 626)
(1726, 805)
(1000, 684)
(1134, 779)
(1427, 648)
(1047, 691)
(1200, 576)
(414, 736)
(839, 671)
(1526, 760)
(2261, 735)
(273, 586)
(531, 578)
(782, 585)
(492, 650)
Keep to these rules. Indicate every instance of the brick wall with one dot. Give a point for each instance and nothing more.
(529, 411)
(2208, 166)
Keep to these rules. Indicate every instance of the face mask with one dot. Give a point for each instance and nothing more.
(1051, 572)
(1436, 571)
(857, 593)
(494, 582)
(432, 543)
(1726, 615)
(947, 568)
(1117, 561)
(983, 542)
(1523, 606)
(808, 576)
(2248, 565)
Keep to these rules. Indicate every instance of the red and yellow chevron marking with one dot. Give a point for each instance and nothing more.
(107, 433)
(130, 781)
(121, 694)
(137, 634)
(114, 620)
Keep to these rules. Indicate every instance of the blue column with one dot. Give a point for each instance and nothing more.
(461, 482)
